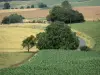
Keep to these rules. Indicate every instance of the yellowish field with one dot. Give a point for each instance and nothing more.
(11, 36)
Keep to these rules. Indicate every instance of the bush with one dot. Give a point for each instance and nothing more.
(85, 48)
(13, 18)
(57, 36)
(6, 6)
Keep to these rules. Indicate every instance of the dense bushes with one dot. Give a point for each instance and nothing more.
(57, 36)
(13, 18)
(85, 48)
(65, 14)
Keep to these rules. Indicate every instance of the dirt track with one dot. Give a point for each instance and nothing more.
(90, 13)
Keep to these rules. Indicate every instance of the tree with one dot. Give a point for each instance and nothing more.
(22, 7)
(6, 5)
(66, 5)
(65, 14)
(57, 35)
(13, 18)
(28, 7)
(42, 5)
(29, 42)
(32, 6)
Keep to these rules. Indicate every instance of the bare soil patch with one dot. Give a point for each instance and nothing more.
(90, 12)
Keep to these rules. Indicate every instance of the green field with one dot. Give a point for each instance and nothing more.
(92, 29)
(51, 3)
(58, 62)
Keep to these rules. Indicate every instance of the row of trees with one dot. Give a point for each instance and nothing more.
(40, 5)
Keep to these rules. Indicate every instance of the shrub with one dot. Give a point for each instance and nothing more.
(13, 18)
(57, 36)
(85, 48)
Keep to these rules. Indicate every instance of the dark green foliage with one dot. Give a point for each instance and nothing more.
(28, 7)
(42, 5)
(6, 6)
(22, 7)
(66, 5)
(32, 6)
(85, 48)
(13, 18)
(29, 42)
(65, 14)
(57, 36)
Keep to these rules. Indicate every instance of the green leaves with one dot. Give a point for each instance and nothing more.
(29, 42)
(57, 36)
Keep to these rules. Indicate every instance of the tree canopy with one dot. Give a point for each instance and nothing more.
(57, 35)
(6, 5)
(65, 13)
(29, 42)
(13, 18)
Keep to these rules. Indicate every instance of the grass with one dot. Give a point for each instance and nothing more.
(92, 29)
(58, 62)
(10, 58)
(8, 34)
(11, 37)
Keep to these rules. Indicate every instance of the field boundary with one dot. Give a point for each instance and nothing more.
(89, 40)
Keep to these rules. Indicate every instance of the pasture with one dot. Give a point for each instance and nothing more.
(58, 62)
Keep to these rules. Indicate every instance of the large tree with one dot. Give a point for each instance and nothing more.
(29, 42)
(57, 35)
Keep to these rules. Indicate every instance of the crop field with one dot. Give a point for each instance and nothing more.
(58, 62)
(90, 13)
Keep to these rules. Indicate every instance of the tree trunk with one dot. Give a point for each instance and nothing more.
(28, 48)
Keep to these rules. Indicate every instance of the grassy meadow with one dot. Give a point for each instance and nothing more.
(92, 29)
(58, 62)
